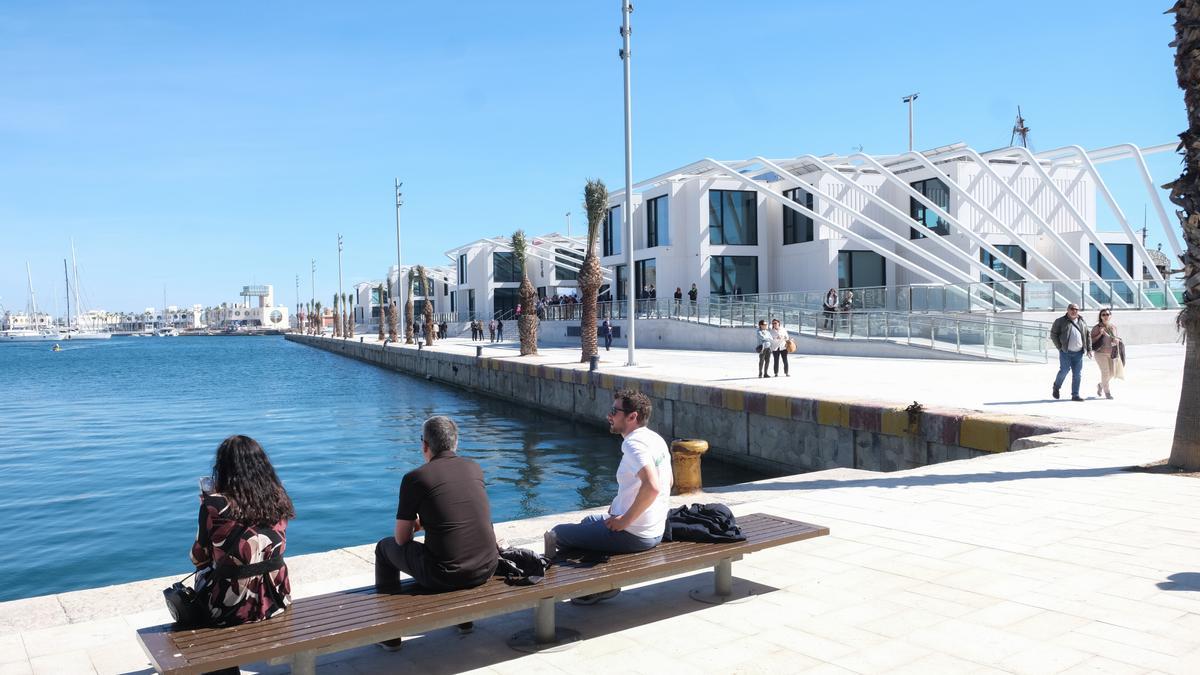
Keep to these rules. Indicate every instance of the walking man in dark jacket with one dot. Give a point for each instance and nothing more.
(1069, 334)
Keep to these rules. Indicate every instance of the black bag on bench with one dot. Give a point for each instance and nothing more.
(187, 605)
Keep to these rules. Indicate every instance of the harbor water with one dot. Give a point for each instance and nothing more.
(103, 443)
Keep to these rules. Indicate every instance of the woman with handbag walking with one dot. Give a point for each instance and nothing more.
(1108, 351)
(779, 346)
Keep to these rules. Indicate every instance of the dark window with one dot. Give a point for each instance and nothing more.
(471, 302)
(612, 232)
(621, 275)
(1122, 252)
(504, 267)
(1012, 251)
(732, 217)
(796, 227)
(861, 269)
(462, 269)
(566, 267)
(445, 287)
(454, 302)
(645, 276)
(935, 191)
(658, 229)
(733, 275)
(505, 301)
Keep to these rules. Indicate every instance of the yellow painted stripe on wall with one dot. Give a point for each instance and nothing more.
(832, 413)
(779, 406)
(733, 400)
(989, 434)
(894, 422)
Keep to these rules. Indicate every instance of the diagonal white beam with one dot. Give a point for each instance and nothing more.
(902, 217)
(848, 233)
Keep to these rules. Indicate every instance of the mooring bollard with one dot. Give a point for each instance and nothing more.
(360, 340)
(479, 351)
(420, 345)
(594, 362)
(685, 465)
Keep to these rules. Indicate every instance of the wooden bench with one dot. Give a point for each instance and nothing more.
(361, 616)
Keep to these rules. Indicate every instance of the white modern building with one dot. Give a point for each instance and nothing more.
(950, 215)
(487, 277)
(264, 314)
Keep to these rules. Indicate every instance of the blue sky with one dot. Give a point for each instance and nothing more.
(203, 146)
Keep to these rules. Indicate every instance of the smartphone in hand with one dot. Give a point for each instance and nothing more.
(206, 485)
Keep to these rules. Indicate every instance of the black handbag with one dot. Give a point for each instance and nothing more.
(187, 607)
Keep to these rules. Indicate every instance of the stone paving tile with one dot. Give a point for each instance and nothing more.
(936, 664)
(76, 662)
(1098, 665)
(1045, 659)
(21, 615)
(973, 642)
(21, 667)
(758, 662)
(80, 636)
(883, 657)
(12, 648)
(122, 656)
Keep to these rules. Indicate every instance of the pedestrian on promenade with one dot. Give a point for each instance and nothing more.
(437, 330)
(606, 331)
(499, 330)
(1069, 335)
(445, 329)
(445, 496)
(638, 515)
(692, 293)
(763, 348)
(830, 306)
(244, 511)
(779, 340)
(678, 299)
(1109, 351)
(492, 330)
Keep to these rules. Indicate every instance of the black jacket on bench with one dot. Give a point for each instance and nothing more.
(702, 522)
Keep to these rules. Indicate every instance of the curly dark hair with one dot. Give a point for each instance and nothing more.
(634, 401)
(244, 475)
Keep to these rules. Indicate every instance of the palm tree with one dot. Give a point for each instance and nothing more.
(409, 319)
(393, 320)
(527, 323)
(428, 313)
(1185, 193)
(348, 331)
(337, 325)
(595, 201)
(382, 309)
(318, 328)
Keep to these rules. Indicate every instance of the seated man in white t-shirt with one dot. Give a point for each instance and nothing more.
(638, 515)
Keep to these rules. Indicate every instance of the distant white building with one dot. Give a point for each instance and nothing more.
(21, 320)
(265, 314)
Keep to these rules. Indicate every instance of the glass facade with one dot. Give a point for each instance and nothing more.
(504, 301)
(566, 266)
(471, 302)
(733, 274)
(644, 276)
(1011, 250)
(658, 228)
(797, 228)
(611, 236)
(504, 267)
(1122, 252)
(935, 191)
(621, 274)
(733, 217)
(462, 268)
(859, 269)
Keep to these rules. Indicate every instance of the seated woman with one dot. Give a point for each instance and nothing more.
(243, 530)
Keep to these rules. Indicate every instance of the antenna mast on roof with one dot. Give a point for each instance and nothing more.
(1019, 129)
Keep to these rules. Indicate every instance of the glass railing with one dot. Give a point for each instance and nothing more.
(987, 336)
(1015, 295)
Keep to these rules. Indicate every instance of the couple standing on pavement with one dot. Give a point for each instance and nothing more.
(1072, 339)
(446, 497)
(773, 342)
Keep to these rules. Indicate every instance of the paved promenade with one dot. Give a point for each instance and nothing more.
(1049, 560)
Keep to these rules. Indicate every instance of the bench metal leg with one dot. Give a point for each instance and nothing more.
(722, 588)
(544, 636)
(304, 663)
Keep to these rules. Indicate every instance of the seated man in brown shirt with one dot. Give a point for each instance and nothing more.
(445, 496)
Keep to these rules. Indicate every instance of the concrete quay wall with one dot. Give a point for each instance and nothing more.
(768, 432)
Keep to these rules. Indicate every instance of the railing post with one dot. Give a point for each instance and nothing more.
(957, 336)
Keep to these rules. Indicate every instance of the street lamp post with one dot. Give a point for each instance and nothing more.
(313, 281)
(400, 300)
(909, 100)
(626, 10)
(340, 293)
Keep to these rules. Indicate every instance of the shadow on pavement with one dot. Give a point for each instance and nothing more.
(925, 479)
(1181, 581)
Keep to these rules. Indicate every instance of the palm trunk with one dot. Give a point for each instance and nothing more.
(589, 283)
(393, 321)
(527, 325)
(1185, 193)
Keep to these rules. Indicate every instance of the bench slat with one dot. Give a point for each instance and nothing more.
(336, 618)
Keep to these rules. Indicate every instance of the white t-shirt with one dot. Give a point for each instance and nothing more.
(779, 338)
(641, 448)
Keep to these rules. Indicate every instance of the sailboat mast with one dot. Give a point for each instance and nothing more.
(67, 278)
(32, 296)
(75, 268)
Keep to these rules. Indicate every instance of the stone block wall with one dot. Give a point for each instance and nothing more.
(768, 432)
